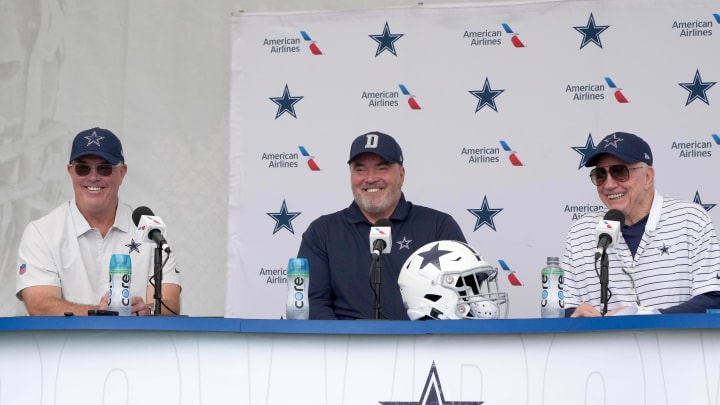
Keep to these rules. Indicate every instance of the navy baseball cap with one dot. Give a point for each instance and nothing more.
(99, 142)
(378, 143)
(627, 147)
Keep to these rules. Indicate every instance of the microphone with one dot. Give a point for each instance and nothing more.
(607, 231)
(152, 227)
(381, 237)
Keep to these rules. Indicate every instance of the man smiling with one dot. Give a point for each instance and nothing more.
(64, 257)
(667, 259)
(337, 245)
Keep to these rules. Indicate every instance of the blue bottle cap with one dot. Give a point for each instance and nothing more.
(120, 263)
(298, 267)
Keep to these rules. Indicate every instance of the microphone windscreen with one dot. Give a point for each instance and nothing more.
(139, 212)
(615, 215)
(383, 222)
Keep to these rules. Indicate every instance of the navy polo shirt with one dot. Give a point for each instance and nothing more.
(337, 247)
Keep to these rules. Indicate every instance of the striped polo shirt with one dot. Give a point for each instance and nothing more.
(678, 258)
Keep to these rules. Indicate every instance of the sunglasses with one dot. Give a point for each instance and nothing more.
(103, 169)
(620, 173)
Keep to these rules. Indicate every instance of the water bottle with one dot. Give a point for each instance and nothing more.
(120, 272)
(298, 277)
(553, 297)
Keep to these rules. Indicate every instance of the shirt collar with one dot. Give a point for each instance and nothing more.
(122, 222)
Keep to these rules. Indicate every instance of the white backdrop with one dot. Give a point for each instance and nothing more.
(587, 68)
(157, 73)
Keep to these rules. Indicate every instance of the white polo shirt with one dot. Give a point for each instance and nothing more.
(61, 250)
(678, 258)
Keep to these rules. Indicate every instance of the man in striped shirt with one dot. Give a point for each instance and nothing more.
(667, 259)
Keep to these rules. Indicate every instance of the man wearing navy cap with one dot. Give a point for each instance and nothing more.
(64, 257)
(667, 258)
(337, 245)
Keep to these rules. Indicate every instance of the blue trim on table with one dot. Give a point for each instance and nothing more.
(361, 327)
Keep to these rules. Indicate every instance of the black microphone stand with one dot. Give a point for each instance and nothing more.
(604, 281)
(377, 280)
(158, 279)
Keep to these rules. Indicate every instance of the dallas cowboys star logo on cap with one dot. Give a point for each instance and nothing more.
(94, 139)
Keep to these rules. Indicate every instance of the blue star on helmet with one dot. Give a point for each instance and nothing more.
(283, 219)
(697, 89)
(486, 96)
(586, 151)
(698, 201)
(286, 103)
(133, 246)
(433, 256)
(432, 393)
(591, 32)
(94, 139)
(386, 41)
(485, 215)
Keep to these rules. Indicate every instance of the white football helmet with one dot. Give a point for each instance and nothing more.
(450, 280)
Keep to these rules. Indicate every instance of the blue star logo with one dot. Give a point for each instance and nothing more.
(94, 139)
(386, 41)
(433, 256)
(283, 219)
(664, 249)
(485, 215)
(591, 32)
(486, 96)
(404, 243)
(697, 89)
(286, 103)
(698, 201)
(586, 151)
(612, 140)
(133, 246)
(432, 393)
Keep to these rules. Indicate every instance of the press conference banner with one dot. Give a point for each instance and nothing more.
(496, 106)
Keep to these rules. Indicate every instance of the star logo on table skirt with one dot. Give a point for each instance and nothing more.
(432, 393)
(283, 219)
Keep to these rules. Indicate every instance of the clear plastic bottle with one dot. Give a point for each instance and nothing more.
(120, 273)
(552, 304)
(298, 278)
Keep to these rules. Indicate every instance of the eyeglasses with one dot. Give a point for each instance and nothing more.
(621, 173)
(103, 169)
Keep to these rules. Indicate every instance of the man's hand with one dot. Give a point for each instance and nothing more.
(586, 310)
